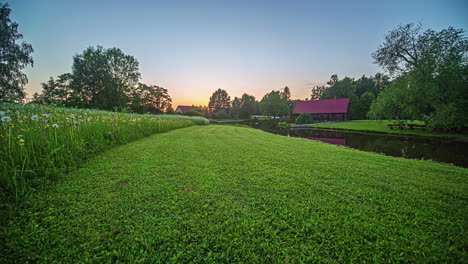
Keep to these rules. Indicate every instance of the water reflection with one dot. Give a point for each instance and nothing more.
(448, 151)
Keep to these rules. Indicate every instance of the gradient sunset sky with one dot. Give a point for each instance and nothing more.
(194, 47)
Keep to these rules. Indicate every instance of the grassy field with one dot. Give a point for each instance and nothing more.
(38, 143)
(381, 126)
(227, 194)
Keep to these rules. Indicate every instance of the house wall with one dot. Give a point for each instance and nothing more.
(178, 110)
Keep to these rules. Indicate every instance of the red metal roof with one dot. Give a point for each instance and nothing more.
(185, 108)
(327, 106)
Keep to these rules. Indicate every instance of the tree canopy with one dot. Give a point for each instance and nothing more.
(274, 104)
(14, 58)
(149, 99)
(219, 100)
(103, 77)
(431, 71)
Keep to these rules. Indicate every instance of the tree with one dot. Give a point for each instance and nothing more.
(149, 99)
(247, 106)
(170, 111)
(432, 76)
(333, 80)
(219, 100)
(317, 92)
(13, 58)
(102, 78)
(286, 94)
(344, 88)
(273, 104)
(235, 107)
(56, 92)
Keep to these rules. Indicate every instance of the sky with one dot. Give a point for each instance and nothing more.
(194, 47)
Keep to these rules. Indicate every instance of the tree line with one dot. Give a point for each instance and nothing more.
(104, 79)
(426, 78)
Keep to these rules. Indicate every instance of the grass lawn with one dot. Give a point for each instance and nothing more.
(231, 194)
(381, 126)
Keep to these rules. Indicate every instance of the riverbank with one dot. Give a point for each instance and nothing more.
(380, 126)
(234, 194)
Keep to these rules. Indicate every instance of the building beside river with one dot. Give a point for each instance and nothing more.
(324, 110)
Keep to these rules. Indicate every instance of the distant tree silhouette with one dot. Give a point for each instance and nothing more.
(219, 100)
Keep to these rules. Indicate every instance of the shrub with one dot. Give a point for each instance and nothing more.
(221, 114)
(304, 118)
(193, 113)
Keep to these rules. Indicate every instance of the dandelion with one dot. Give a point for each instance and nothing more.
(55, 126)
(6, 119)
(34, 118)
(45, 115)
(2, 113)
(67, 119)
(21, 142)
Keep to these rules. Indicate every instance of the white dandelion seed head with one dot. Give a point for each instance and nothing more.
(34, 118)
(2, 113)
(6, 119)
(55, 126)
(67, 119)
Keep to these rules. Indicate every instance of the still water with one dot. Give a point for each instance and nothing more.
(447, 151)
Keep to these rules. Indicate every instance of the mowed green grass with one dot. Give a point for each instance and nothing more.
(381, 126)
(227, 194)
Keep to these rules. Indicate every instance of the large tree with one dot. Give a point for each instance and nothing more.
(14, 58)
(432, 72)
(102, 78)
(220, 100)
(273, 104)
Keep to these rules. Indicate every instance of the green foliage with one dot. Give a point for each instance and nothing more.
(304, 118)
(149, 99)
(170, 111)
(13, 59)
(219, 100)
(103, 77)
(193, 113)
(360, 92)
(243, 107)
(432, 73)
(273, 104)
(184, 198)
(344, 88)
(317, 92)
(221, 114)
(38, 142)
(55, 92)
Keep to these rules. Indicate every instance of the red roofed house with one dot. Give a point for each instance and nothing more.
(182, 109)
(324, 110)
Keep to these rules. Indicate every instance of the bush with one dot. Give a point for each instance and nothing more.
(221, 114)
(193, 113)
(304, 118)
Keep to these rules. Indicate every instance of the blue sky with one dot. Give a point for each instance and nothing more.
(194, 47)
